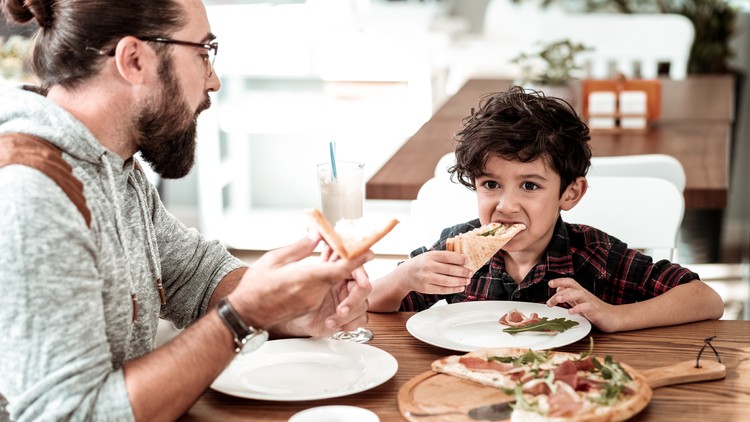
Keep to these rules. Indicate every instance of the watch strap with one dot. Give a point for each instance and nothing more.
(240, 331)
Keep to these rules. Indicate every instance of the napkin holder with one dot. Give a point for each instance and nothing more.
(620, 105)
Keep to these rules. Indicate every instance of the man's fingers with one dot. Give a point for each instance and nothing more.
(351, 324)
(356, 297)
(288, 254)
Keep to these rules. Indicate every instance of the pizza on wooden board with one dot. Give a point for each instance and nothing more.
(555, 386)
(481, 244)
(351, 237)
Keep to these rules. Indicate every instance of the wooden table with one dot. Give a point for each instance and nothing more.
(697, 117)
(724, 400)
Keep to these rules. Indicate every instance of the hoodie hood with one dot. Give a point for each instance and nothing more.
(28, 112)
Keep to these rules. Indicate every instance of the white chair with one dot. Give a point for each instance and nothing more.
(440, 203)
(651, 165)
(644, 212)
(644, 165)
(631, 44)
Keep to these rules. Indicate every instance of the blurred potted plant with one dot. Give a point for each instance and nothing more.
(13, 55)
(551, 68)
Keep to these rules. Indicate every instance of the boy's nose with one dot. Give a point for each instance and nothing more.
(506, 203)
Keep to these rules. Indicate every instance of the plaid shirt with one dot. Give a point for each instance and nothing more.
(601, 263)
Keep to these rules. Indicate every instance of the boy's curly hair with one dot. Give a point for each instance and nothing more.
(521, 125)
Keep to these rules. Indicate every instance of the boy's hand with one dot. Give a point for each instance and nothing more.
(437, 272)
(601, 314)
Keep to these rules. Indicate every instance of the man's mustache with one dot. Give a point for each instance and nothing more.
(205, 105)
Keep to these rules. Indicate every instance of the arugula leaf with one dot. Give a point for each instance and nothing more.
(523, 403)
(609, 395)
(590, 351)
(549, 379)
(491, 232)
(530, 357)
(616, 378)
(544, 324)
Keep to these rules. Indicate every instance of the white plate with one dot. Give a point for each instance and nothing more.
(468, 326)
(335, 414)
(306, 369)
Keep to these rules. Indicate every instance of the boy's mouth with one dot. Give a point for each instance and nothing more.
(510, 223)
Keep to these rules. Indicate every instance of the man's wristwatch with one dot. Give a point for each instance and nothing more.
(246, 339)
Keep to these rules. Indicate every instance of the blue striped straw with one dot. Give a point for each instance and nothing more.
(332, 148)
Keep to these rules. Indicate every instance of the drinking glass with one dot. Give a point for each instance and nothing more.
(342, 196)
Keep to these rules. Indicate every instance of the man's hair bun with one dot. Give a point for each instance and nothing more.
(22, 11)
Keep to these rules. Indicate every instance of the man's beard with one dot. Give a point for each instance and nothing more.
(166, 128)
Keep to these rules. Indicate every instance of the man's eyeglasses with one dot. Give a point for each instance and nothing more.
(211, 48)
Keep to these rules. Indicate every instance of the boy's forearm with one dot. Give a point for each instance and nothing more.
(693, 301)
(387, 293)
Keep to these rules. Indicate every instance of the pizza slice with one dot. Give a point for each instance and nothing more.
(481, 244)
(350, 238)
(554, 386)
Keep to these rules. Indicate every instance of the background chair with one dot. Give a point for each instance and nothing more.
(634, 45)
(651, 165)
(440, 203)
(644, 212)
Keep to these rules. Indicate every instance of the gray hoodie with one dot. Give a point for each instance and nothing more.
(66, 311)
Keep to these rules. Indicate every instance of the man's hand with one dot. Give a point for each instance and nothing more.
(343, 309)
(603, 315)
(293, 296)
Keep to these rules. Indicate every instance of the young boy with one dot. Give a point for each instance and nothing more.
(526, 156)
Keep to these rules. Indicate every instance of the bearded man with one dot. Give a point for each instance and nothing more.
(89, 257)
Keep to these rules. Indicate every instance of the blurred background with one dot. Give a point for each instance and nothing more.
(368, 73)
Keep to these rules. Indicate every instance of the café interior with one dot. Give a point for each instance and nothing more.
(387, 83)
(367, 75)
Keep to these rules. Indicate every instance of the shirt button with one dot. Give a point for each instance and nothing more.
(516, 295)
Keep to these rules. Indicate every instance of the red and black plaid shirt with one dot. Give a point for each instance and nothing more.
(600, 263)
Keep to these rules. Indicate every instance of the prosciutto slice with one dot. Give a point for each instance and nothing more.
(515, 318)
(484, 364)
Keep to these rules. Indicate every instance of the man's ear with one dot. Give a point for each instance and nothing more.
(133, 59)
(573, 193)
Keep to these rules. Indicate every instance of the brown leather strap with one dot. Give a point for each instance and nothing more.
(30, 151)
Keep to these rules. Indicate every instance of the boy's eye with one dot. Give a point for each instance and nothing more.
(529, 186)
(490, 184)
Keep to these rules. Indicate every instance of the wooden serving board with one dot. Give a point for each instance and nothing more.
(432, 392)
(440, 394)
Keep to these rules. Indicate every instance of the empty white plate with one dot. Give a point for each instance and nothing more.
(306, 369)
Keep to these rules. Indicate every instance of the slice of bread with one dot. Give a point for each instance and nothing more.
(481, 244)
(350, 238)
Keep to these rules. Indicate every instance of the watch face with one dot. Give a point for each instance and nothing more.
(254, 340)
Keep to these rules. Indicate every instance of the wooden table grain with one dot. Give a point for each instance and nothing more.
(697, 117)
(725, 400)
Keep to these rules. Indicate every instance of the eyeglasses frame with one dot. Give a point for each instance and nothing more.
(211, 47)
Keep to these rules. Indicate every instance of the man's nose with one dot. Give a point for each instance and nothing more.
(213, 83)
